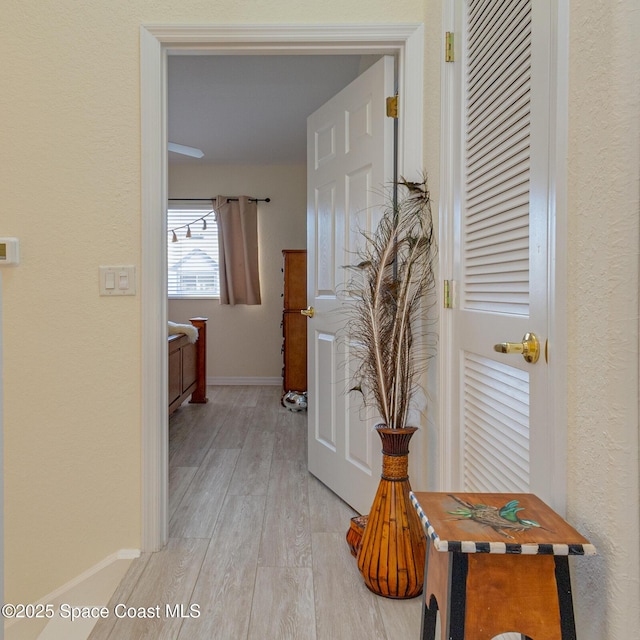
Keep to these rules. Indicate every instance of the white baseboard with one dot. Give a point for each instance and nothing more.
(244, 381)
(96, 583)
(123, 554)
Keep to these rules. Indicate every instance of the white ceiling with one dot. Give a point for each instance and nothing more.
(251, 109)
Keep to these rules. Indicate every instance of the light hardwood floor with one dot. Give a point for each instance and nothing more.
(255, 540)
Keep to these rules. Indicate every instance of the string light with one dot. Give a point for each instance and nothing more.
(187, 226)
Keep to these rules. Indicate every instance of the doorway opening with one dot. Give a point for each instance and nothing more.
(247, 115)
(157, 43)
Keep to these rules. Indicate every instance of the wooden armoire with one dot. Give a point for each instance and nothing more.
(294, 324)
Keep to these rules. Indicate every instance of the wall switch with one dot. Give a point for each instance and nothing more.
(9, 251)
(118, 281)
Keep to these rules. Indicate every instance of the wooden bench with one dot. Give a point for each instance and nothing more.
(497, 563)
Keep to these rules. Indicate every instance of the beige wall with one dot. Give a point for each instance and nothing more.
(245, 341)
(70, 114)
(603, 222)
(70, 190)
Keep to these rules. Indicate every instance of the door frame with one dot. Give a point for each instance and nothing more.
(405, 41)
(450, 447)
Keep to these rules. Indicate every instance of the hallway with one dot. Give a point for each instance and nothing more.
(256, 542)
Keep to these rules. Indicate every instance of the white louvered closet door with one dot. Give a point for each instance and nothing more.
(500, 255)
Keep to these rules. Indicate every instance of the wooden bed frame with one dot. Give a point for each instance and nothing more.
(188, 367)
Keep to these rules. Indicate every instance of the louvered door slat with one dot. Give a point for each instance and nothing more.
(490, 472)
(507, 57)
(496, 414)
(497, 167)
(494, 389)
(496, 263)
(502, 135)
(496, 446)
(489, 225)
(498, 219)
(481, 13)
(518, 141)
(485, 19)
(514, 239)
(506, 183)
(519, 154)
(511, 303)
(517, 436)
(485, 16)
(497, 134)
(486, 50)
(512, 276)
(499, 109)
(505, 202)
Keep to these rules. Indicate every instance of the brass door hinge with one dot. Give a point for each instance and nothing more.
(448, 302)
(392, 106)
(448, 47)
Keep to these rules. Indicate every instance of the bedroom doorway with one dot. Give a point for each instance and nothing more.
(157, 43)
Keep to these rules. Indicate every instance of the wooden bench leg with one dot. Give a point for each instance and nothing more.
(458, 595)
(444, 591)
(565, 600)
(429, 619)
(429, 604)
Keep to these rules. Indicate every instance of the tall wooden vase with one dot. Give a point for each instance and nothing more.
(391, 558)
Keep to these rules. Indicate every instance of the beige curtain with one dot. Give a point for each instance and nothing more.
(238, 250)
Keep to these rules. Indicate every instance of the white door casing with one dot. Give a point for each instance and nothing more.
(405, 41)
(349, 168)
(499, 218)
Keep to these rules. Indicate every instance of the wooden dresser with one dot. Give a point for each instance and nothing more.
(294, 325)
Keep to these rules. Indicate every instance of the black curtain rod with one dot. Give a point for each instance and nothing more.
(210, 199)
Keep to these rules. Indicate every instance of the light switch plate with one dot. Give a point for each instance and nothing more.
(9, 251)
(118, 280)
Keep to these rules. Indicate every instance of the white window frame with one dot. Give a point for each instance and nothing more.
(196, 214)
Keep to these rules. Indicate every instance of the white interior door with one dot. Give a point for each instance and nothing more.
(500, 256)
(350, 162)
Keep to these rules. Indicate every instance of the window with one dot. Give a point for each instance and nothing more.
(192, 251)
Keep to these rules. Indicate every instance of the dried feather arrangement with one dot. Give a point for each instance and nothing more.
(394, 273)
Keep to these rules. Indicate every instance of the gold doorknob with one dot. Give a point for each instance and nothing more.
(529, 347)
(309, 312)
